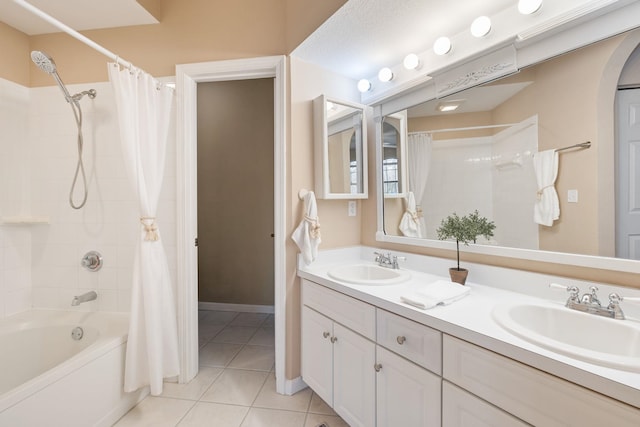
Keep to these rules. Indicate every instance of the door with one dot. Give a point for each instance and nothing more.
(628, 174)
(354, 380)
(317, 353)
(236, 192)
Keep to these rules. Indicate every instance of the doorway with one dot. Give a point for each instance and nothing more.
(188, 76)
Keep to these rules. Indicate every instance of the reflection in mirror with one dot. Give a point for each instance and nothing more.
(340, 152)
(475, 150)
(394, 136)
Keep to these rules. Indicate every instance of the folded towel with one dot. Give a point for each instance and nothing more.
(547, 206)
(307, 234)
(440, 292)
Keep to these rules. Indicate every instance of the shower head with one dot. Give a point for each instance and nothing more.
(43, 61)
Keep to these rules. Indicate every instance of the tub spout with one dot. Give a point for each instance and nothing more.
(79, 299)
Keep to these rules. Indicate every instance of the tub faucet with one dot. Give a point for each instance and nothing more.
(79, 299)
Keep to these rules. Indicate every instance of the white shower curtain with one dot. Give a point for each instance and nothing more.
(144, 112)
(419, 162)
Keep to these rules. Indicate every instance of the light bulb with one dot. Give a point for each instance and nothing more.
(442, 46)
(364, 85)
(527, 7)
(480, 26)
(411, 62)
(385, 75)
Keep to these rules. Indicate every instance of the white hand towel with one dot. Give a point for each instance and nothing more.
(440, 292)
(547, 206)
(307, 234)
(410, 223)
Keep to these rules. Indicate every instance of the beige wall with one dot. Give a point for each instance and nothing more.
(235, 192)
(14, 46)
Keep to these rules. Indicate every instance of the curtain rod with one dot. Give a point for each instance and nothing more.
(73, 33)
(466, 128)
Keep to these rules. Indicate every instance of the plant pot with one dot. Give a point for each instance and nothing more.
(458, 276)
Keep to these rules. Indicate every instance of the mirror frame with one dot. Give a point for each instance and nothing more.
(492, 64)
(321, 150)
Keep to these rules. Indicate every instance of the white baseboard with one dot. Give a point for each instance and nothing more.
(293, 386)
(219, 306)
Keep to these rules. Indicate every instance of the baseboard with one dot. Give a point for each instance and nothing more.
(293, 386)
(219, 306)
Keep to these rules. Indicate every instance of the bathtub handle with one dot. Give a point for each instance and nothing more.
(92, 261)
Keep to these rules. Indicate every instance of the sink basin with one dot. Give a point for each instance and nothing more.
(594, 339)
(368, 274)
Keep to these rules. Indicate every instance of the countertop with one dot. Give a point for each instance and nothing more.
(470, 319)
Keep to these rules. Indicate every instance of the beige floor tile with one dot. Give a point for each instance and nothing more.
(254, 357)
(213, 317)
(314, 420)
(318, 406)
(208, 331)
(235, 334)
(195, 388)
(268, 398)
(269, 322)
(214, 414)
(249, 319)
(218, 355)
(263, 336)
(258, 417)
(156, 412)
(235, 387)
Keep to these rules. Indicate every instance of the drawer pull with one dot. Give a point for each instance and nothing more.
(334, 339)
(326, 334)
(401, 339)
(377, 367)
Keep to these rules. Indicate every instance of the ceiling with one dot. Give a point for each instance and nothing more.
(365, 35)
(77, 14)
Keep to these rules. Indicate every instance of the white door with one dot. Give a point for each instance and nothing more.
(628, 174)
(317, 353)
(407, 395)
(354, 381)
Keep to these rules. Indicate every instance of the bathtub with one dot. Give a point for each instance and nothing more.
(50, 378)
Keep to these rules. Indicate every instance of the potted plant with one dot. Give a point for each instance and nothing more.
(464, 229)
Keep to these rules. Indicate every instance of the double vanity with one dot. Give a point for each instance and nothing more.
(508, 354)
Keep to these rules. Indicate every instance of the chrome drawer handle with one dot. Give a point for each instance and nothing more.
(334, 339)
(401, 339)
(377, 367)
(326, 334)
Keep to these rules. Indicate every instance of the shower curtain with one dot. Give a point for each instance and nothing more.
(144, 112)
(418, 164)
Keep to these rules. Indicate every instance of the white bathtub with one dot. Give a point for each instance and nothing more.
(49, 379)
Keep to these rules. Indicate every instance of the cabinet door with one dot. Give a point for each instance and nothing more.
(353, 377)
(462, 409)
(407, 394)
(317, 353)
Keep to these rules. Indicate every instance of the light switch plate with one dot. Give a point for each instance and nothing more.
(352, 208)
(572, 196)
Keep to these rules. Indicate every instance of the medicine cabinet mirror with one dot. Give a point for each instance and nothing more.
(340, 135)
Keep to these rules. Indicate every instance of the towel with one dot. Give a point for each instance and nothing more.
(411, 223)
(307, 234)
(440, 292)
(547, 206)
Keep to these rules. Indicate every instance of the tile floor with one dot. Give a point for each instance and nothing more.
(235, 386)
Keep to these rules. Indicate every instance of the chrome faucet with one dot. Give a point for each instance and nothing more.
(388, 260)
(79, 299)
(589, 302)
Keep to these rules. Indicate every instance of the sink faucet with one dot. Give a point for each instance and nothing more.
(79, 299)
(589, 302)
(388, 260)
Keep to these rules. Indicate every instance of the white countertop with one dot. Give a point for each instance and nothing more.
(470, 319)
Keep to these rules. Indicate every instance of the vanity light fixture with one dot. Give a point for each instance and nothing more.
(385, 75)
(442, 46)
(480, 26)
(364, 85)
(411, 62)
(527, 7)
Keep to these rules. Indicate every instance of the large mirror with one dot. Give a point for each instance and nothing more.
(475, 149)
(340, 149)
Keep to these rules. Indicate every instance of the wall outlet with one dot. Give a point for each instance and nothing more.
(352, 208)
(572, 196)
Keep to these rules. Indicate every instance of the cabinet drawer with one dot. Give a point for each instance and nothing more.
(355, 315)
(534, 396)
(418, 343)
